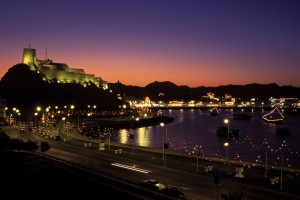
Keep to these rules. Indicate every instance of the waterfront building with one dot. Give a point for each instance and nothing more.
(175, 104)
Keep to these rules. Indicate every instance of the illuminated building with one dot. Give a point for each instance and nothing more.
(60, 72)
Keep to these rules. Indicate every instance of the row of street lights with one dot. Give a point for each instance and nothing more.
(165, 138)
(10, 115)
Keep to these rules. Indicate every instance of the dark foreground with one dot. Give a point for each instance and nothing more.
(27, 175)
(31, 175)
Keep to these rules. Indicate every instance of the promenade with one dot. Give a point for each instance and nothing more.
(276, 178)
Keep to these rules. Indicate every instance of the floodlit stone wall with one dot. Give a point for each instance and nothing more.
(60, 71)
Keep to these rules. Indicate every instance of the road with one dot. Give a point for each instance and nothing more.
(119, 166)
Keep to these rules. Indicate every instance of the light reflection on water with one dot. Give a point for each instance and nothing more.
(195, 127)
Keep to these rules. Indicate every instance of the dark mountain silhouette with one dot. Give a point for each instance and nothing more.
(162, 85)
(24, 88)
(169, 91)
(255, 90)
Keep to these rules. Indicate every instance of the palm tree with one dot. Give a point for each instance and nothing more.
(232, 196)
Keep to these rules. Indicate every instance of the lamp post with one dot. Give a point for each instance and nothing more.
(226, 121)
(163, 149)
(101, 143)
(38, 109)
(109, 133)
(14, 109)
(63, 119)
(198, 154)
(131, 135)
(226, 144)
(165, 144)
(18, 113)
(77, 120)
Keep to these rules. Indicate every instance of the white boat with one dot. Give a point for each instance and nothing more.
(214, 111)
(274, 116)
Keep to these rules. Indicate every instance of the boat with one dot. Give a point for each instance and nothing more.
(282, 131)
(274, 116)
(241, 116)
(223, 131)
(214, 112)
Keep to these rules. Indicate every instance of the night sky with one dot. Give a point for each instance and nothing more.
(188, 42)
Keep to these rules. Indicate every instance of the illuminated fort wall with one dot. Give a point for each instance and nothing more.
(60, 71)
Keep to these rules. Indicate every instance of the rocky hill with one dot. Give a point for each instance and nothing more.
(169, 91)
(24, 88)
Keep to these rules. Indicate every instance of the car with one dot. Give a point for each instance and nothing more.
(173, 192)
(153, 184)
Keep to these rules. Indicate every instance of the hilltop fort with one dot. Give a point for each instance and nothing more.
(60, 72)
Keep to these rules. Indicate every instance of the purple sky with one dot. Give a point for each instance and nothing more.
(136, 42)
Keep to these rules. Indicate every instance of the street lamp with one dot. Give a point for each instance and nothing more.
(101, 143)
(163, 151)
(63, 119)
(165, 144)
(109, 133)
(226, 121)
(38, 109)
(131, 135)
(198, 154)
(226, 144)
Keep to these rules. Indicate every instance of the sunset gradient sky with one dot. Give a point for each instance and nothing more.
(188, 42)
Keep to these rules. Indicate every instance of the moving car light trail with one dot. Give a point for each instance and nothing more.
(134, 168)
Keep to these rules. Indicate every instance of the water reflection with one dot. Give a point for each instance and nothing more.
(143, 136)
(196, 127)
(123, 136)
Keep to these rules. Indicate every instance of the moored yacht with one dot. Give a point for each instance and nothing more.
(274, 116)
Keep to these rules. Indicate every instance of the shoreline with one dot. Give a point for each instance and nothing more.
(14, 133)
(181, 161)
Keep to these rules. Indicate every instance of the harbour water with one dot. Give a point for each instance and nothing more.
(194, 130)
